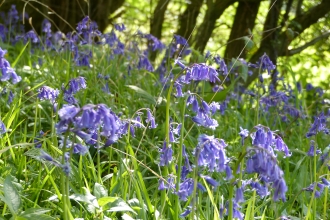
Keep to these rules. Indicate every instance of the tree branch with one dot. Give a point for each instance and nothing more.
(213, 12)
(308, 44)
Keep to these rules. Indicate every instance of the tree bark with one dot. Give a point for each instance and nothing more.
(244, 21)
(187, 20)
(213, 12)
(68, 13)
(157, 19)
(269, 43)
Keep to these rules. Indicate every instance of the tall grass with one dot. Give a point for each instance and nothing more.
(114, 136)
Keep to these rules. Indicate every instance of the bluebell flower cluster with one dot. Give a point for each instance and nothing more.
(72, 88)
(48, 93)
(318, 187)
(2, 128)
(265, 64)
(319, 125)
(262, 160)
(7, 73)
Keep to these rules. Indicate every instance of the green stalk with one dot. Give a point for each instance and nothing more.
(63, 183)
(178, 175)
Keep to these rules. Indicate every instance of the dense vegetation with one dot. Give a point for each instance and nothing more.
(92, 129)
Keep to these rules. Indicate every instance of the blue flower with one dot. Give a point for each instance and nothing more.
(48, 93)
(7, 72)
(151, 119)
(210, 153)
(165, 155)
(120, 27)
(2, 128)
(266, 64)
(312, 149)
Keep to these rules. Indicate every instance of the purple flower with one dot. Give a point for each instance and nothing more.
(7, 72)
(2, 128)
(239, 197)
(48, 93)
(210, 181)
(165, 155)
(266, 64)
(210, 153)
(120, 27)
(144, 63)
(311, 152)
(31, 36)
(318, 125)
(244, 133)
(151, 119)
(186, 212)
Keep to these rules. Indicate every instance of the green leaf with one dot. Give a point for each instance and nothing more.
(105, 200)
(35, 211)
(13, 64)
(36, 216)
(248, 42)
(120, 206)
(100, 191)
(11, 196)
(88, 198)
(143, 94)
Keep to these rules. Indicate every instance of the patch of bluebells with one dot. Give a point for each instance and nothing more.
(7, 73)
(72, 88)
(95, 125)
(318, 187)
(262, 160)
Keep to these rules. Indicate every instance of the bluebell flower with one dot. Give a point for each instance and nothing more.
(186, 212)
(66, 168)
(80, 149)
(309, 87)
(153, 42)
(7, 72)
(311, 150)
(262, 190)
(319, 125)
(45, 156)
(37, 140)
(120, 27)
(210, 181)
(10, 97)
(48, 93)
(178, 88)
(76, 84)
(151, 119)
(266, 64)
(239, 197)
(186, 188)
(166, 154)
(244, 133)
(88, 30)
(2, 128)
(210, 153)
(68, 112)
(31, 36)
(144, 63)
(298, 84)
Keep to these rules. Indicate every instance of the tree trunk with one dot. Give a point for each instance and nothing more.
(157, 20)
(187, 20)
(69, 13)
(204, 31)
(244, 21)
